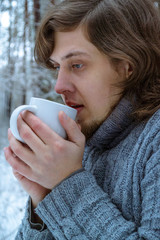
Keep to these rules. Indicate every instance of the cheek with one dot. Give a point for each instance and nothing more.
(101, 100)
(100, 93)
(95, 96)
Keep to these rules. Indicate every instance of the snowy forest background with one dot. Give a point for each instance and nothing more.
(20, 79)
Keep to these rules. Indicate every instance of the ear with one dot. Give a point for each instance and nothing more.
(128, 69)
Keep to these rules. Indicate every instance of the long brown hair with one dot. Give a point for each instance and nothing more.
(123, 30)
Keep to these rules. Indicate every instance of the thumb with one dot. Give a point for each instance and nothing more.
(72, 129)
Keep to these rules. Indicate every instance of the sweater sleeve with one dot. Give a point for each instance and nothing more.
(79, 209)
(29, 230)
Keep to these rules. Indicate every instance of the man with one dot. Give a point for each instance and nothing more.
(107, 55)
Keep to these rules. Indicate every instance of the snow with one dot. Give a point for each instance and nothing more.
(12, 199)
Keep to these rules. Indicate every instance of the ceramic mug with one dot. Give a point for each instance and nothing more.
(47, 111)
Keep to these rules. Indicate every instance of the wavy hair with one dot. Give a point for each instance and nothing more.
(123, 30)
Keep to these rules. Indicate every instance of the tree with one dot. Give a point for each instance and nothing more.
(21, 78)
(37, 16)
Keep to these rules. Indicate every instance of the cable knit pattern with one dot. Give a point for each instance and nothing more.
(117, 195)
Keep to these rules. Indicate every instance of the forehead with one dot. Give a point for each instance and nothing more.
(73, 43)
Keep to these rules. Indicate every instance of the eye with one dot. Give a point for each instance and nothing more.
(77, 66)
(56, 68)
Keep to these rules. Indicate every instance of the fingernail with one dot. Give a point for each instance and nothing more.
(64, 115)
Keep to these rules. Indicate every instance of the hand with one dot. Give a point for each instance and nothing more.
(36, 191)
(46, 158)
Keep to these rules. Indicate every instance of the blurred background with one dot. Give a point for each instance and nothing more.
(20, 79)
(20, 76)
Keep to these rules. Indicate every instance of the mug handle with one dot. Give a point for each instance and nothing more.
(14, 116)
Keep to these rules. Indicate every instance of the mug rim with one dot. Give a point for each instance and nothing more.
(50, 101)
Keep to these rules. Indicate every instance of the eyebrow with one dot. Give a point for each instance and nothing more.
(72, 54)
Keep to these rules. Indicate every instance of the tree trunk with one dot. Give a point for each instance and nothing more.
(25, 48)
(37, 15)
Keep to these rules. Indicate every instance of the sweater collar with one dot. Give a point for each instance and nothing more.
(114, 128)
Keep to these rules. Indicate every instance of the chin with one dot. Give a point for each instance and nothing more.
(88, 129)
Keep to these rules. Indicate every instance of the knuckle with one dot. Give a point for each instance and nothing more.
(25, 134)
(37, 125)
(17, 150)
(14, 165)
(59, 146)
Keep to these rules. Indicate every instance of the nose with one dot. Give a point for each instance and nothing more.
(64, 83)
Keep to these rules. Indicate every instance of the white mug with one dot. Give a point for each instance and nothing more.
(47, 111)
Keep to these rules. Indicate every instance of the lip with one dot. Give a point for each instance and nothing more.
(75, 105)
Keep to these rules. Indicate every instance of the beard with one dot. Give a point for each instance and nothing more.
(88, 129)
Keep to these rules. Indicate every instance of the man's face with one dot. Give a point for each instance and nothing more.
(85, 79)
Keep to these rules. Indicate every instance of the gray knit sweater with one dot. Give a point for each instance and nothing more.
(117, 194)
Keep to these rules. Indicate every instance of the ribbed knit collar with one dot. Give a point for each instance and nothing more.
(114, 128)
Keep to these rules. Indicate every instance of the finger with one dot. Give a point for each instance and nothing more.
(79, 126)
(21, 150)
(72, 129)
(18, 165)
(28, 135)
(17, 175)
(42, 130)
(25, 182)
